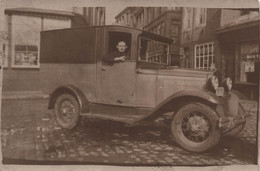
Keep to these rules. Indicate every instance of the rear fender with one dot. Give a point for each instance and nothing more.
(177, 100)
(74, 91)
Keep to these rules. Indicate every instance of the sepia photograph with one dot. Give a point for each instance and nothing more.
(158, 85)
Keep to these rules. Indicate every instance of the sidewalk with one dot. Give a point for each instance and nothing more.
(23, 95)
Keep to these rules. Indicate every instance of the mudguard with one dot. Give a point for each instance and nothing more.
(175, 101)
(239, 95)
(231, 103)
(70, 89)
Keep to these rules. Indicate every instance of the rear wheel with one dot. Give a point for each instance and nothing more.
(66, 111)
(194, 127)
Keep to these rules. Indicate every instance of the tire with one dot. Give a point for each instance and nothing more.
(194, 127)
(239, 128)
(66, 111)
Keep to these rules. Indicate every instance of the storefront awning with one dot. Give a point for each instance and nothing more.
(37, 11)
(239, 32)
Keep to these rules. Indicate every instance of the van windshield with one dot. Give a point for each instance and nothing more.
(153, 51)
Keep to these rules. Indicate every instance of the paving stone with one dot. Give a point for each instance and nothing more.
(129, 152)
(144, 152)
(138, 150)
(132, 156)
(105, 154)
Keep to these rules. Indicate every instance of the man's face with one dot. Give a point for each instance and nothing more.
(121, 46)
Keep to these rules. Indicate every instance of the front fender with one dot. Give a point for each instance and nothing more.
(70, 89)
(231, 104)
(175, 101)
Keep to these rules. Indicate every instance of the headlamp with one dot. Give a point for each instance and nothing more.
(214, 82)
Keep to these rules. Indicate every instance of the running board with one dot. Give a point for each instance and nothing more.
(121, 118)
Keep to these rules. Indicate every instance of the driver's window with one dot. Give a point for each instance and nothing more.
(153, 51)
(119, 42)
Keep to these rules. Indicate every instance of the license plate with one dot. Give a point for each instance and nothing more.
(220, 91)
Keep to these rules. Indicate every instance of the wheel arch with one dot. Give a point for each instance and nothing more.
(72, 90)
(176, 101)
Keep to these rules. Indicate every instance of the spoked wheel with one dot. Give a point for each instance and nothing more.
(66, 111)
(194, 127)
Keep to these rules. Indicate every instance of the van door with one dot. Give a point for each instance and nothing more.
(118, 83)
(118, 79)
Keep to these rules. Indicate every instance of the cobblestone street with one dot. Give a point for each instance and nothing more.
(29, 132)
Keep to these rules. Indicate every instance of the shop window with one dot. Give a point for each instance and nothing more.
(248, 62)
(26, 55)
(200, 16)
(204, 56)
(25, 41)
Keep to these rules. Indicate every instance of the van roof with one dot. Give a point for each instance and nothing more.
(144, 32)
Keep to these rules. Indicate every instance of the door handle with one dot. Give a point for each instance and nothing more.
(103, 69)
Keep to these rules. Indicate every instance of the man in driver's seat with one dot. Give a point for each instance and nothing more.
(117, 56)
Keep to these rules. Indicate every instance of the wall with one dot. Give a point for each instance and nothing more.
(201, 34)
(17, 78)
(20, 75)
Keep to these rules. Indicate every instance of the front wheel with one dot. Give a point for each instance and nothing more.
(194, 127)
(66, 111)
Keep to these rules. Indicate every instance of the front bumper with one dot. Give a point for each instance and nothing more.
(230, 123)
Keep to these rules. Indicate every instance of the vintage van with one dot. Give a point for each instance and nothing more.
(141, 89)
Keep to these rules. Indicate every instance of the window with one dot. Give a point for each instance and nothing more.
(4, 54)
(174, 31)
(153, 51)
(187, 18)
(26, 55)
(247, 62)
(200, 16)
(25, 41)
(26, 38)
(204, 56)
(115, 37)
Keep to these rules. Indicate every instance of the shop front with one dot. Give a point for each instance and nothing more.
(240, 56)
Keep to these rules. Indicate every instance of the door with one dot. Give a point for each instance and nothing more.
(118, 78)
(118, 83)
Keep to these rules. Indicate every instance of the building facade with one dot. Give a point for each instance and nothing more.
(239, 41)
(20, 39)
(165, 21)
(199, 44)
(224, 40)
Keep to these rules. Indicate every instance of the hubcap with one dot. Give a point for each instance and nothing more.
(195, 127)
(67, 110)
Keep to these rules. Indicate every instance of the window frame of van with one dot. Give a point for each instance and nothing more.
(107, 45)
(156, 64)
